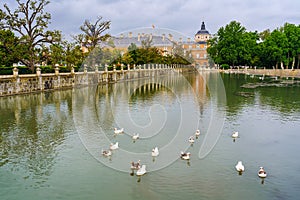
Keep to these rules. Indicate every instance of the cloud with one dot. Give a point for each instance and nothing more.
(184, 16)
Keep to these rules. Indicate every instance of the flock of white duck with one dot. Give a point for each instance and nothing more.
(141, 169)
(241, 168)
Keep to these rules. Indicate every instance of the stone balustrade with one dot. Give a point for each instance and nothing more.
(28, 83)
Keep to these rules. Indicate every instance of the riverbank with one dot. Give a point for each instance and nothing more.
(266, 72)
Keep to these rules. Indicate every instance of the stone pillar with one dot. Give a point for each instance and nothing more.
(38, 71)
(114, 73)
(56, 69)
(40, 79)
(15, 71)
(85, 69)
(96, 68)
(72, 70)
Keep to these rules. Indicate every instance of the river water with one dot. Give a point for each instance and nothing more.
(51, 142)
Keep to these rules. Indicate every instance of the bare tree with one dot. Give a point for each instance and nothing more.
(93, 33)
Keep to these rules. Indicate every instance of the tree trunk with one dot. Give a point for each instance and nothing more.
(288, 62)
(293, 64)
(281, 65)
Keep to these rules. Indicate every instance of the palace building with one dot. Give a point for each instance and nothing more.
(165, 42)
(198, 47)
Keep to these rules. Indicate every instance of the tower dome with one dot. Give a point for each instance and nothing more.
(202, 35)
(203, 29)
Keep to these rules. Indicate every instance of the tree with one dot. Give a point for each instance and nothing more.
(180, 55)
(93, 33)
(90, 40)
(30, 21)
(10, 49)
(292, 33)
(248, 49)
(227, 47)
(275, 48)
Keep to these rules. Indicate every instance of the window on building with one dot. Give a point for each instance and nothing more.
(198, 46)
(205, 55)
(197, 55)
(190, 46)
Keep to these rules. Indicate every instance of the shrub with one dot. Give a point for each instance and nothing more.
(225, 66)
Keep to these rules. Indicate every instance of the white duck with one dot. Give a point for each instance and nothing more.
(136, 136)
(185, 156)
(197, 133)
(141, 171)
(135, 166)
(106, 153)
(235, 134)
(262, 173)
(240, 167)
(155, 152)
(191, 140)
(118, 131)
(114, 146)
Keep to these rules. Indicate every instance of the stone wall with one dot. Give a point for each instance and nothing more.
(28, 83)
(267, 72)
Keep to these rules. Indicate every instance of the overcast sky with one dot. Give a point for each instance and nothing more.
(184, 16)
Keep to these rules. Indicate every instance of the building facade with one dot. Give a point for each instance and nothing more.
(197, 48)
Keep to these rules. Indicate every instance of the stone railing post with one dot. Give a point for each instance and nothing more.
(122, 67)
(105, 67)
(72, 70)
(56, 69)
(128, 67)
(96, 68)
(15, 70)
(85, 69)
(133, 66)
(38, 71)
(114, 73)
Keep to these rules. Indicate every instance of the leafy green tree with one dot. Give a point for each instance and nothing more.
(247, 54)
(227, 47)
(181, 55)
(73, 55)
(292, 33)
(30, 22)
(10, 48)
(275, 49)
(264, 34)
